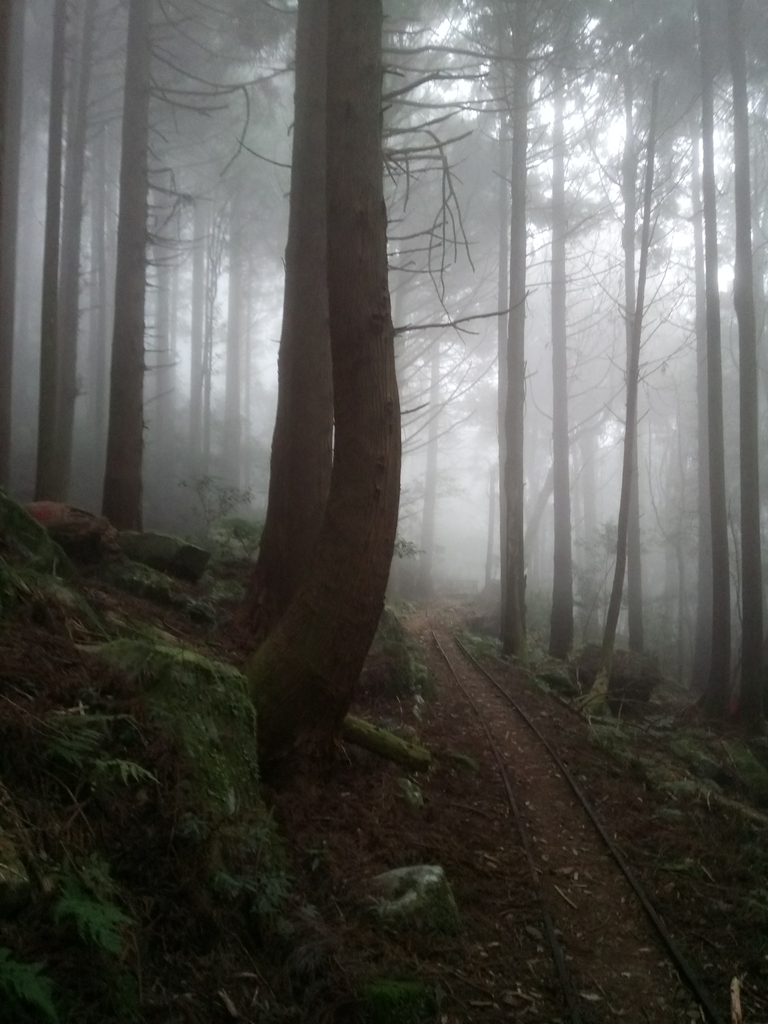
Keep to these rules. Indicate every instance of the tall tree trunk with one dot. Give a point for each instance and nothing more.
(561, 620)
(702, 649)
(751, 697)
(427, 544)
(629, 195)
(201, 228)
(99, 302)
(304, 674)
(502, 335)
(211, 291)
(69, 272)
(716, 696)
(233, 383)
(11, 95)
(45, 479)
(122, 477)
(599, 690)
(513, 624)
(492, 500)
(300, 468)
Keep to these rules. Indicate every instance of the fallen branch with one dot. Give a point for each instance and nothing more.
(385, 744)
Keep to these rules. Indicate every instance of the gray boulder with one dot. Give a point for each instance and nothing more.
(416, 898)
(165, 553)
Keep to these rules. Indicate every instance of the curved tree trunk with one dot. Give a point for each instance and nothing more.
(45, 478)
(122, 477)
(599, 690)
(561, 620)
(301, 460)
(11, 94)
(303, 675)
(629, 186)
(716, 696)
(751, 697)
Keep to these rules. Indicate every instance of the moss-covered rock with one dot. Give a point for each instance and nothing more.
(558, 676)
(204, 705)
(22, 536)
(165, 553)
(84, 536)
(142, 581)
(752, 773)
(632, 680)
(395, 666)
(396, 1002)
(416, 898)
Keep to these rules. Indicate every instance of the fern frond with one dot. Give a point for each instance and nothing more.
(27, 983)
(98, 921)
(126, 771)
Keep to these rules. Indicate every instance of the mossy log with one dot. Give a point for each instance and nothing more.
(385, 744)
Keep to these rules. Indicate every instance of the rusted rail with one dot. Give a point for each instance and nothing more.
(686, 972)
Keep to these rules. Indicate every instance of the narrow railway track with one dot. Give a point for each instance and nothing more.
(578, 1012)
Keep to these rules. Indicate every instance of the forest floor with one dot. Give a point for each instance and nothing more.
(703, 866)
(305, 946)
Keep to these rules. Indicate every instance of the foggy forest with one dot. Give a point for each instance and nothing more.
(383, 468)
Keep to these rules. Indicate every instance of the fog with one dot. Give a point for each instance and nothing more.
(219, 155)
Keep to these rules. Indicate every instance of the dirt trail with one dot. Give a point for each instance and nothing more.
(618, 965)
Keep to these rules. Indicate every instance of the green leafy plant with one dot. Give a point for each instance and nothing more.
(267, 890)
(26, 983)
(79, 740)
(216, 500)
(83, 900)
(236, 538)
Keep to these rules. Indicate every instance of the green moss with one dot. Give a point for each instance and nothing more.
(142, 581)
(397, 1002)
(398, 665)
(751, 772)
(204, 705)
(22, 535)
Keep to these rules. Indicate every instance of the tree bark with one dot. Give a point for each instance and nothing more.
(513, 623)
(716, 696)
(303, 675)
(599, 690)
(703, 637)
(45, 479)
(561, 619)
(233, 383)
(750, 710)
(427, 544)
(200, 231)
(300, 469)
(69, 273)
(503, 332)
(121, 502)
(492, 501)
(629, 194)
(11, 95)
(99, 302)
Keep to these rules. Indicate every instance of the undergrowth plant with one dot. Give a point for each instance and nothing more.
(85, 901)
(81, 740)
(23, 983)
